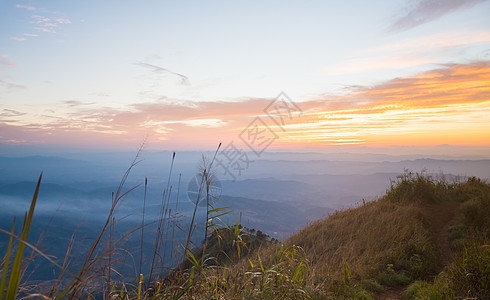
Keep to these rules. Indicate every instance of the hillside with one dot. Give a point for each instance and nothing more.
(412, 233)
(426, 238)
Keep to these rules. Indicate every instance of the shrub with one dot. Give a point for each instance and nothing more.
(372, 285)
(476, 212)
(470, 274)
(422, 290)
(417, 188)
(473, 187)
(353, 292)
(392, 278)
(419, 259)
(457, 236)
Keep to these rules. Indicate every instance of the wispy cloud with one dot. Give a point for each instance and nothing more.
(62, 20)
(43, 29)
(424, 11)
(5, 62)
(10, 85)
(156, 69)
(11, 113)
(48, 22)
(19, 39)
(76, 103)
(31, 8)
(45, 24)
(415, 52)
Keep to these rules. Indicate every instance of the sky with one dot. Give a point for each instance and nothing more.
(187, 75)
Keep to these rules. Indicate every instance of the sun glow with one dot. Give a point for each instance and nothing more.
(449, 105)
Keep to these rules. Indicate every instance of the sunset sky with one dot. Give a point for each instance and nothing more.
(182, 75)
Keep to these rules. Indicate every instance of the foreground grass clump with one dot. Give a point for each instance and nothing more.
(226, 245)
(12, 278)
(468, 275)
(401, 241)
(286, 277)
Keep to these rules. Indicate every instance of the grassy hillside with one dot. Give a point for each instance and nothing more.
(425, 238)
(411, 233)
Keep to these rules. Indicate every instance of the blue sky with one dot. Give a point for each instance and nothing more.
(60, 57)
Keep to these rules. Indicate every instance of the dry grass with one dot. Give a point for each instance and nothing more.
(367, 238)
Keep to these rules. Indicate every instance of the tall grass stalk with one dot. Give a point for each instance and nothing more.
(143, 225)
(167, 213)
(158, 239)
(205, 171)
(54, 289)
(87, 271)
(15, 272)
(172, 254)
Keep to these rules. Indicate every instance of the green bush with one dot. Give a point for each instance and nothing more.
(467, 277)
(372, 285)
(422, 290)
(470, 274)
(392, 278)
(473, 187)
(353, 291)
(417, 188)
(476, 212)
(457, 236)
(419, 259)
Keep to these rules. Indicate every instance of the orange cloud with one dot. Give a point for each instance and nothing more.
(166, 123)
(449, 105)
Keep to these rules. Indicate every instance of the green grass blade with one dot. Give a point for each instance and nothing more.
(219, 209)
(219, 215)
(237, 229)
(16, 267)
(193, 260)
(298, 269)
(6, 262)
(140, 282)
(261, 265)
